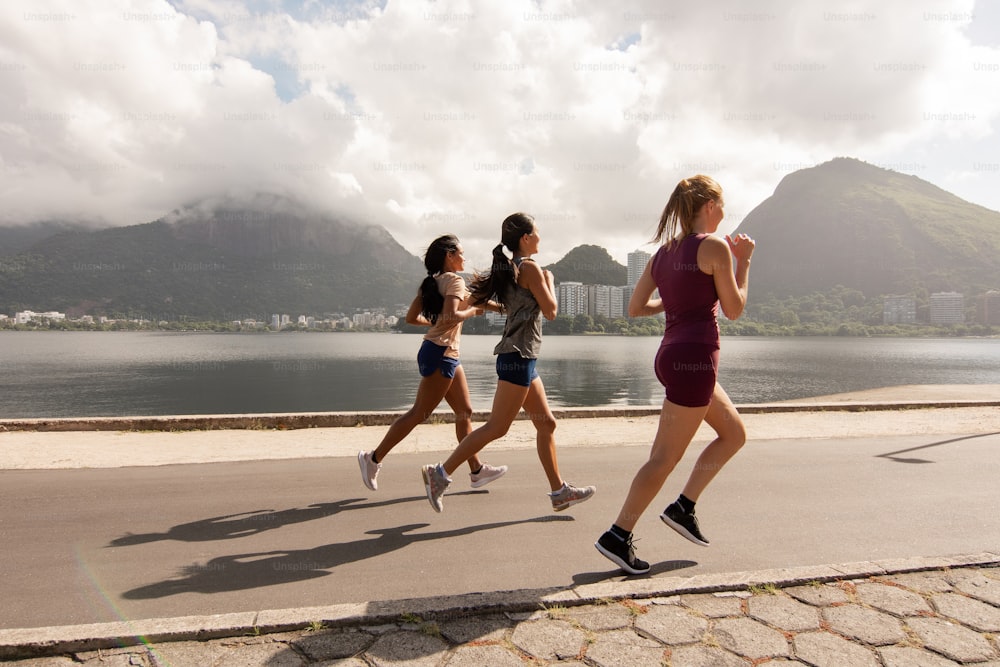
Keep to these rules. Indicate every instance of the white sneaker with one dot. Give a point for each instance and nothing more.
(369, 470)
(436, 482)
(570, 495)
(486, 475)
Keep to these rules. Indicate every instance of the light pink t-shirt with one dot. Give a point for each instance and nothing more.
(448, 334)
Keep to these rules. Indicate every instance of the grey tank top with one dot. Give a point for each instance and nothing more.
(523, 331)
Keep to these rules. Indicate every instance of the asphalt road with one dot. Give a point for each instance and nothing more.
(83, 546)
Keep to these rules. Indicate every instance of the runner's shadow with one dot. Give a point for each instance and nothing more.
(892, 456)
(665, 567)
(245, 524)
(270, 568)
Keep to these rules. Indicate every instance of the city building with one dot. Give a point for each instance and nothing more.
(899, 310)
(605, 300)
(626, 297)
(637, 262)
(616, 303)
(947, 308)
(990, 308)
(572, 299)
(598, 300)
(25, 316)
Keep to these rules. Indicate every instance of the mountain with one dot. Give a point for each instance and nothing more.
(16, 239)
(218, 260)
(846, 222)
(590, 265)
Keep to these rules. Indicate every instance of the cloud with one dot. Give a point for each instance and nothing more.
(431, 117)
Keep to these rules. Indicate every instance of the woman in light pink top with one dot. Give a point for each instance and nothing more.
(441, 304)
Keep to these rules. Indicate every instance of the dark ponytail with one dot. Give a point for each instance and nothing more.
(500, 282)
(434, 258)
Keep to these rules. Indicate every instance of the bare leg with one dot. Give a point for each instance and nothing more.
(723, 417)
(677, 427)
(432, 389)
(507, 402)
(461, 404)
(537, 406)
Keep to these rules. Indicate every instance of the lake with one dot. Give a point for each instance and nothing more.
(90, 374)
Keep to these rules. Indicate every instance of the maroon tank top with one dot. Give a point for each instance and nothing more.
(690, 302)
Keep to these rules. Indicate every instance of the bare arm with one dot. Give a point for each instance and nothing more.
(413, 315)
(716, 258)
(453, 312)
(541, 284)
(641, 304)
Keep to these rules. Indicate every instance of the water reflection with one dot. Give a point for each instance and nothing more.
(51, 374)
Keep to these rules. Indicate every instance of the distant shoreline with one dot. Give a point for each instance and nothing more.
(924, 333)
(871, 332)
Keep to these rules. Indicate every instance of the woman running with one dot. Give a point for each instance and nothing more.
(441, 303)
(694, 274)
(525, 292)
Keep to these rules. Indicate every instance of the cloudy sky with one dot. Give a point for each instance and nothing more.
(431, 117)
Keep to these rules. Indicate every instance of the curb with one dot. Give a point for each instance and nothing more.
(350, 419)
(43, 642)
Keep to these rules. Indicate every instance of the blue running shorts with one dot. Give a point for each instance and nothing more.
(431, 358)
(513, 368)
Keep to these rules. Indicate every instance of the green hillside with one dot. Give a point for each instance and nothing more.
(844, 229)
(220, 264)
(590, 265)
(849, 223)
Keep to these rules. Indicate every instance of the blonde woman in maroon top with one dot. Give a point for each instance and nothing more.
(694, 272)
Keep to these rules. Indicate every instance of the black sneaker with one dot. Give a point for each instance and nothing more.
(621, 553)
(684, 523)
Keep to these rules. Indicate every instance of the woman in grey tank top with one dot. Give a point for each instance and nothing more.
(525, 292)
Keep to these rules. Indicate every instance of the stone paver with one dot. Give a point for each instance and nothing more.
(713, 606)
(549, 640)
(979, 586)
(406, 647)
(705, 656)
(968, 611)
(672, 625)
(907, 656)
(823, 649)
(916, 619)
(818, 596)
(488, 627)
(601, 617)
(897, 601)
(784, 613)
(189, 653)
(332, 645)
(749, 638)
(867, 625)
(477, 656)
(624, 648)
(952, 640)
(920, 582)
(272, 654)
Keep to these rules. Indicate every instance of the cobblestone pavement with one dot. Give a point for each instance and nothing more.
(910, 618)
